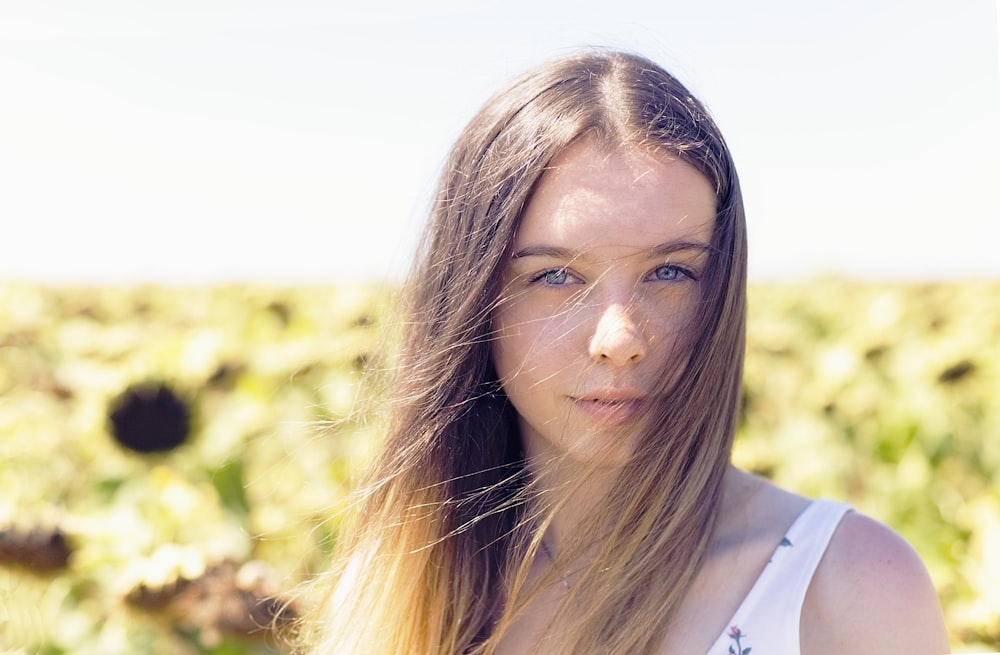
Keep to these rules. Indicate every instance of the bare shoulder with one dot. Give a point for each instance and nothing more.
(871, 594)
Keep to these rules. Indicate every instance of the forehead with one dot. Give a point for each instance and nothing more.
(593, 197)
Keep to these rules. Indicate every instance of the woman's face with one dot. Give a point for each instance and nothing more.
(599, 297)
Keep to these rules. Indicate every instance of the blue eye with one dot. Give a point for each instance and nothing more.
(670, 273)
(554, 277)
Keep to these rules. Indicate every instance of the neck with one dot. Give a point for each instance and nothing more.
(590, 486)
(576, 490)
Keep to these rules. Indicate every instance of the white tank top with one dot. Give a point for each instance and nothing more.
(768, 619)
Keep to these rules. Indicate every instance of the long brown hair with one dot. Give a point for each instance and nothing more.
(443, 523)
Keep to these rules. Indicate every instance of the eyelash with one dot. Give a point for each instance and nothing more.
(545, 277)
(679, 270)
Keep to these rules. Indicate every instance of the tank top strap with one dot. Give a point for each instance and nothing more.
(768, 618)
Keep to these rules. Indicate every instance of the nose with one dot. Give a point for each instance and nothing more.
(617, 340)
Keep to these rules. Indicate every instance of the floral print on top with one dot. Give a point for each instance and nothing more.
(737, 648)
(770, 613)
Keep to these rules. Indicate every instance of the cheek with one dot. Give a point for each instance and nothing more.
(528, 342)
(672, 340)
(671, 318)
(667, 332)
(514, 347)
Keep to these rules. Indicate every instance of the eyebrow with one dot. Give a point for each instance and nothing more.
(660, 250)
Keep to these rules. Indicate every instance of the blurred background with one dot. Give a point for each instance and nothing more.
(206, 207)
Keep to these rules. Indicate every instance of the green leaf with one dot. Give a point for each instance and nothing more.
(228, 481)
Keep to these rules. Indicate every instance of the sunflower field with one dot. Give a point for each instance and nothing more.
(172, 459)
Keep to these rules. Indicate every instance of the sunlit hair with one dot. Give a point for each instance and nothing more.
(434, 557)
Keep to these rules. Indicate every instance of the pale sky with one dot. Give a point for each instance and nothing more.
(195, 142)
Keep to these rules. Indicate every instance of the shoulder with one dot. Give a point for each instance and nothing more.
(871, 594)
(755, 509)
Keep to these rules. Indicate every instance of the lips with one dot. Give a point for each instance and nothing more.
(611, 407)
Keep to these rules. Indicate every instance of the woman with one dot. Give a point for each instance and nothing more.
(555, 476)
